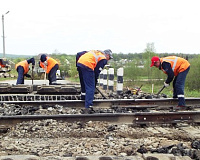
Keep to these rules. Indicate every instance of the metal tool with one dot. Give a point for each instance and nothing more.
(139, 89)
(32, 74)
(101, 93)
(160, 90)
(45, 75)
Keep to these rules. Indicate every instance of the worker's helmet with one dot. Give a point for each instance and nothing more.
(109, 52)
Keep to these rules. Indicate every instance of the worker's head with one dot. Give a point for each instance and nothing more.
(108, 54)
(155, 61)
(31, 60)
(43, 58)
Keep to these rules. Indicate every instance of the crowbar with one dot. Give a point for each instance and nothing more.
(45, 75)
(139, 89)
(32, 74)
(160, 90)
(101, 93)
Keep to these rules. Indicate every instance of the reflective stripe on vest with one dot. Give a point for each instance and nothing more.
(97, 57)
(178, 64)
(91, 58)
(173, 60)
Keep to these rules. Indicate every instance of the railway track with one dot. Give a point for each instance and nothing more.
(27, 104)
(37, 108)
(144, 118)
(132, 111)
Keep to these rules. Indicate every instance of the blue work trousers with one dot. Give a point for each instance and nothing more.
(52, 74)
(87, 81)
(20, 78)
(82, 83)
(179, 85)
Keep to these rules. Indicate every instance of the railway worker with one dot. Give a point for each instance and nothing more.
(89, 66)
(2, 65)
(78, 55)
(50, 66)
(23, 68)
(176, 68)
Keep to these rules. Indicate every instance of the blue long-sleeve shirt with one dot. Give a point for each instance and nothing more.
(99, 67)
(168, 69)
(79, 54)
(32, 60)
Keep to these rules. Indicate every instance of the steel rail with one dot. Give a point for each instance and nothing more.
(165, 102)
(130, 118)
(167, 117)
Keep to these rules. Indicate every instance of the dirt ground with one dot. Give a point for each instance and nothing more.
(51, 137)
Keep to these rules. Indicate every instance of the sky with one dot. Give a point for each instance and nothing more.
(125, 26)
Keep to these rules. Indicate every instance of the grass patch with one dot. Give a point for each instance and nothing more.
(147, 88)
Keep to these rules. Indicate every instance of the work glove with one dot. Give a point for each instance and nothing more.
(166, 84)
(96, 82)
(45, 63)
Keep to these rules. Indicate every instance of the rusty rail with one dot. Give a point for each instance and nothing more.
(132, 118)
(166, 102)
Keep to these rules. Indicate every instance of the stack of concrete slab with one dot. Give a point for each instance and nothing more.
(6, 88)
(58, 89)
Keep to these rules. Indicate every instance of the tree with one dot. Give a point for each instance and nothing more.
(148, 53)
(192, 79)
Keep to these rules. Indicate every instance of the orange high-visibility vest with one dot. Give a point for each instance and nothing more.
(50, 64)
(2, 65)
(91, 58)
(178, 64)
(24, 64)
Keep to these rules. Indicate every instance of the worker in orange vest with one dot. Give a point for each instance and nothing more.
(174, 67)
(50, 66)
(23, 68)
(89, 66)
(4, 65)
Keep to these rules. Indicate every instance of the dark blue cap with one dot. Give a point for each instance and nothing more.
(43, 58)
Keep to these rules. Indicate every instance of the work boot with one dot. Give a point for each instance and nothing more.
(174, 96)
(182, 108)
(179, 108)
(55, 84)
(88, 110)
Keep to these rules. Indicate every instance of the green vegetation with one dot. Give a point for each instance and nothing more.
(12, 56)
(147, 88)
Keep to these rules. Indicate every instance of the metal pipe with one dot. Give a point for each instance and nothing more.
(3, 34)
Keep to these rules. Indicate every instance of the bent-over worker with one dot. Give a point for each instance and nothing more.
(23, 68)
(176, 68)
(50, 66)
(89, 66)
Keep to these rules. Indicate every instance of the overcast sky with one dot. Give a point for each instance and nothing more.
(69, 26)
